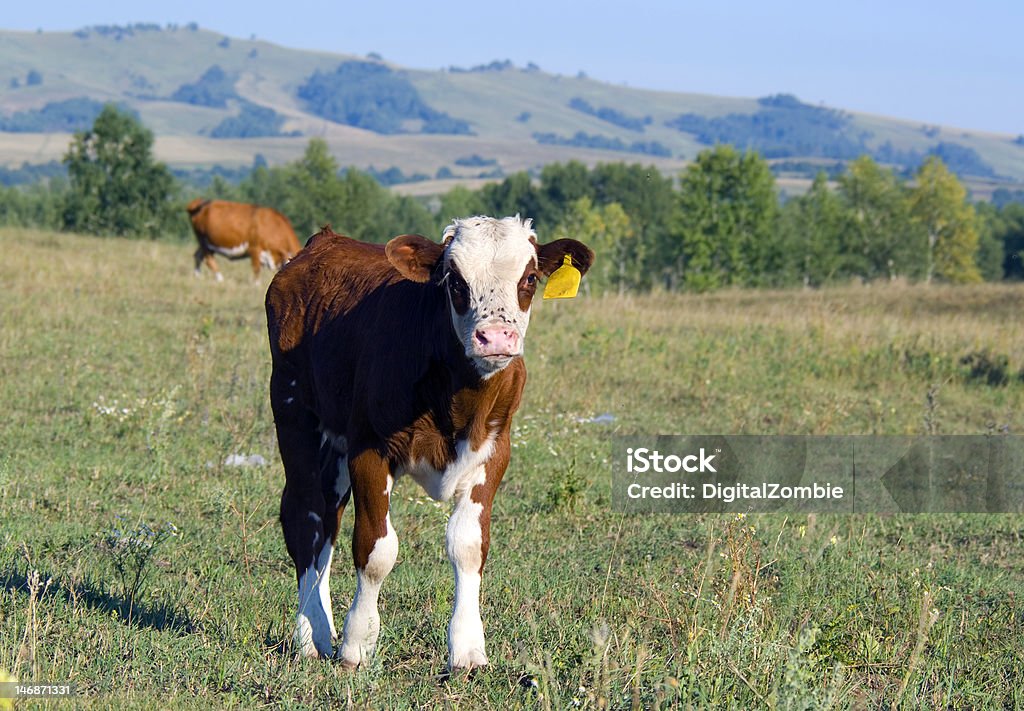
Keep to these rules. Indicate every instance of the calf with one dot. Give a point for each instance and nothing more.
(392, 360)
(236, 230)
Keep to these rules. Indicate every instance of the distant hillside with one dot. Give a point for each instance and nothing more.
(218, 100)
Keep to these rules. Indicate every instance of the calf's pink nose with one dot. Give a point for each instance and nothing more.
(496, 341)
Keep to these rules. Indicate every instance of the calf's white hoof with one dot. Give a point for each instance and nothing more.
(467, 660)
(354, 656)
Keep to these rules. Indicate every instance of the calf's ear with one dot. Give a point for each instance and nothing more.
(414, 256)
(551, 256)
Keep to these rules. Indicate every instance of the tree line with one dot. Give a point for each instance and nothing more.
(720, 223)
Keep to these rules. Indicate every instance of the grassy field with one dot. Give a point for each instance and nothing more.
(126, 384)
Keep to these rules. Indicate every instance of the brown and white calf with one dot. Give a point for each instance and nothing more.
(392, 360)
(236, 230)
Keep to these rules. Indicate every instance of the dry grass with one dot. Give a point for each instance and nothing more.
(584, 608)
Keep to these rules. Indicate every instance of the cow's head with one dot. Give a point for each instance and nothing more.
(489, 270)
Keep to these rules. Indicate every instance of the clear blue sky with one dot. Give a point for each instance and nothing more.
(953, 63)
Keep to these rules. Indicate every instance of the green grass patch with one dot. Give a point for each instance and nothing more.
(127, 383)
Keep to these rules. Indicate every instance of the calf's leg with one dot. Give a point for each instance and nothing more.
(374, 551)
(302, 519)
(336, 488)
(468, 538)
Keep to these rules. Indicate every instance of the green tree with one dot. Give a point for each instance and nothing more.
(608, 231)
(221, 189)
(268, 186)
(515, 194)
(460, 201)
(649, 200)
(1001, 249)
(938, 202)
(39, 204)
(561, 184)
(991, 252)
(812, 226)
(881, 239)
(116, 186)
(362, 205)
(401, 214)
(728, 220)
(311, 191)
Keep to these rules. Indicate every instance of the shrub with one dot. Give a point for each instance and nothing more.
(987, 368)
(213, 89)
(370, 95)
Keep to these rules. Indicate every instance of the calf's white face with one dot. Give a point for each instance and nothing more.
(489, 269)
(490, 275)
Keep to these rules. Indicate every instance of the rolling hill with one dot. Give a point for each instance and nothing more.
(218, 100)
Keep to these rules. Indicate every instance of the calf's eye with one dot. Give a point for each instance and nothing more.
(457, 286)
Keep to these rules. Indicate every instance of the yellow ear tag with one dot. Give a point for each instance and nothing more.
(564, 282)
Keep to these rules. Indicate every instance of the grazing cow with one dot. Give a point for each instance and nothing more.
(235, 229)
(392, 360)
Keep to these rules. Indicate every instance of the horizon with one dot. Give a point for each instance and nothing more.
(865, 61)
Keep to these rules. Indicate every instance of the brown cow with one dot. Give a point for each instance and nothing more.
(404, 359)
(235, 229)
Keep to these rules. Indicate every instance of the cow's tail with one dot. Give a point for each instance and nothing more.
(197, 205)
